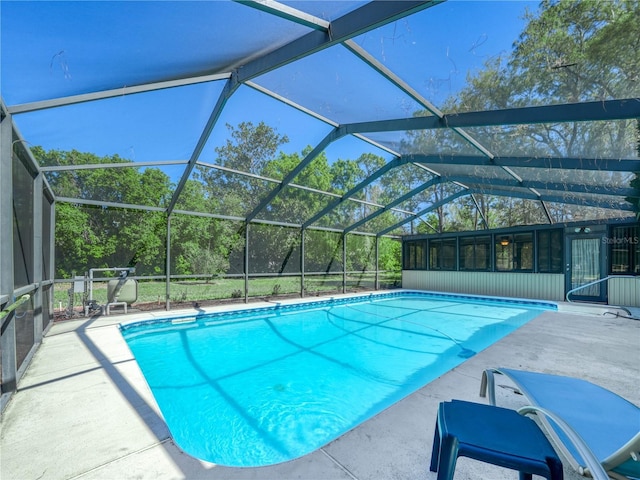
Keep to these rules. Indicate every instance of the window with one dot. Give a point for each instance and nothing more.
(442, 254)
(415, 255)
(475, 253)
(514, 253)
(624, 250)
(550, 248)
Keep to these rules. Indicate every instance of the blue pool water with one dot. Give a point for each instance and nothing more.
(267, 385)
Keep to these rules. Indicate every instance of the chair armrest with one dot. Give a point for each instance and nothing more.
(593, 465)
(487, 383)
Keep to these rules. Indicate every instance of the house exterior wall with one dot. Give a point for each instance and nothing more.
(624, 291)
(542, 286)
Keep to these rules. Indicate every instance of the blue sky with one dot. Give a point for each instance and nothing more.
(54, 49)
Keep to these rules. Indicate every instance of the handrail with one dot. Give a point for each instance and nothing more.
(13, 306)
(597, 281)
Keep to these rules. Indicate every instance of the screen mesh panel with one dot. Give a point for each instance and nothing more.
(23, 227)
(274, 249)
(206, 246)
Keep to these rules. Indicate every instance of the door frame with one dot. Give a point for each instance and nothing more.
(586, 234)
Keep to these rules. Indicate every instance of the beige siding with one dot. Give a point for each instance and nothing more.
(624, 291)
(545, 286)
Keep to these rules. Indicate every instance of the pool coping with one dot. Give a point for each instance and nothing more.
(295, 304)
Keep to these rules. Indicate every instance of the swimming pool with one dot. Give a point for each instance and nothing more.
(265, 385)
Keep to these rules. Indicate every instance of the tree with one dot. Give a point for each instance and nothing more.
(390, 254)
(580, 51)
(98, 237)
(577, 51)
(568, 52)
(345, 175)
(201, 245)
(248, 149)
(295, 205)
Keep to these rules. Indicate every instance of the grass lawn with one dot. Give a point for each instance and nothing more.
(189, 291)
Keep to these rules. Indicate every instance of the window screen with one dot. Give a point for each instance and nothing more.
(415, 255)
(475, 253)
(624, 250)
(550, 251)
(514, 253)
(442, 254)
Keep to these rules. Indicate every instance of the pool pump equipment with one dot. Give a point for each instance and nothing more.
(121, 291)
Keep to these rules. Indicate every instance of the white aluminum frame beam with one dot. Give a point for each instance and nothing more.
(289, 13)
(230, 87)
(116, 92)
(96, 166)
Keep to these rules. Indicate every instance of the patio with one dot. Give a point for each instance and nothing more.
(83, 409)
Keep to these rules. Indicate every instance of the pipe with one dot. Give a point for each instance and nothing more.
(13, 306)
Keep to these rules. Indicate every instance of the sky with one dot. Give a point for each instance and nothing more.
(52, 49)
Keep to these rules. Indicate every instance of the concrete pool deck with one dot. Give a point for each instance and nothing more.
(83, 409)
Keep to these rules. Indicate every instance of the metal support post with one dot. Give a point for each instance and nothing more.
(8, 328)
(377, 281)
(302, 230)
(246, 262)
(344, 263)
(38, 185)
(51, 236)
(167, 268)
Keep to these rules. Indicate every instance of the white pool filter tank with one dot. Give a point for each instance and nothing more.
(122, 290)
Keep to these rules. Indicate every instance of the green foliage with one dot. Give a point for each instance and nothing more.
(568, 52)
(390, 254)
(295, 205)
(74, 240)
(360, 253)
(345, 175)
(248, 149)
(323, 251)
(97, 237)
(578, 51)
(274, 249)
(201, 245)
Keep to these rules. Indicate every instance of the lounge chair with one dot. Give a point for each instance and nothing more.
(586, 423)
